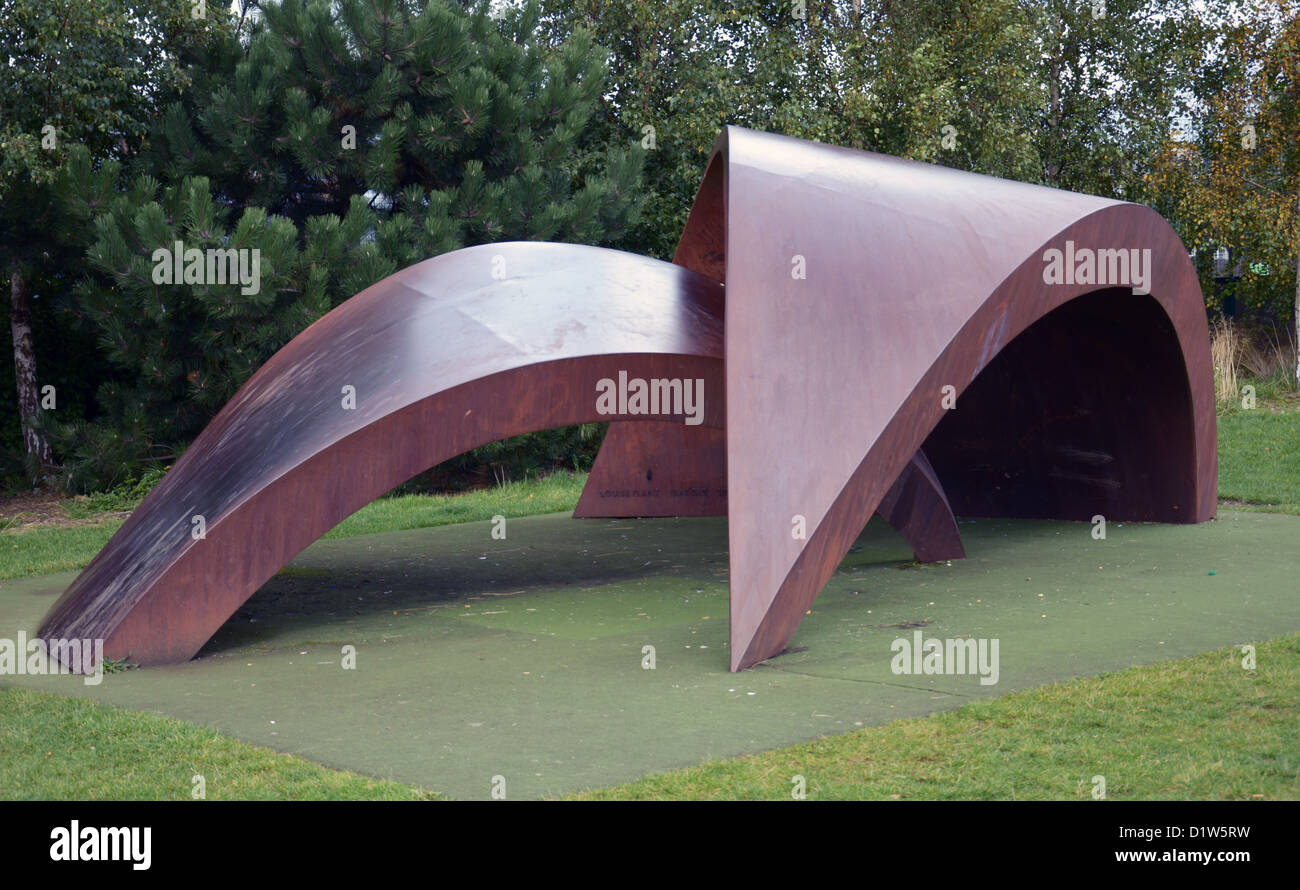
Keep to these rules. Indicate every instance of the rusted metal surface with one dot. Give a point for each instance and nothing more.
(916, 277)
(918, 508)
(669, 469)
(874, 307)
(657, 469)
(443, 357)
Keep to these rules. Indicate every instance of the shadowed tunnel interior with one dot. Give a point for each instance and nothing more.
(1072, 418)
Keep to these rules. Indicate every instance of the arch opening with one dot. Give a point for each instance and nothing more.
(1072, 417)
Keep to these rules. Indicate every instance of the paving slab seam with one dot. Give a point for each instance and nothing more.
(878, 683)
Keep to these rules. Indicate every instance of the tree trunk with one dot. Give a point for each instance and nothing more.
(1296, 316)
(20, 325)
(1055, 104)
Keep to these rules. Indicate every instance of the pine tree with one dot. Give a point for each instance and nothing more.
(88, 74)
(347, 140)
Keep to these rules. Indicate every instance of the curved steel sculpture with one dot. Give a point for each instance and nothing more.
(840, 375)
(877, 312)
(437, 359)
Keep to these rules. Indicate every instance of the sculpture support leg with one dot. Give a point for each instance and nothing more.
(657, 469)
(670, 469)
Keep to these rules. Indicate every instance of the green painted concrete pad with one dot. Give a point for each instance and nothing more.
(523, 657)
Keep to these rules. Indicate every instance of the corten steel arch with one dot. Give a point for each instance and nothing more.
(1095, 399)
(443, 357)
(917, 277)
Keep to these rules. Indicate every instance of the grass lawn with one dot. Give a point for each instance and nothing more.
(40, 551)
(550, 494)
(45, 549)
(58, 748)
(1200, 728)
(1259, 457)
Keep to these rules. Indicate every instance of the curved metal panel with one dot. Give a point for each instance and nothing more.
(460, 350)
(863, 289)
